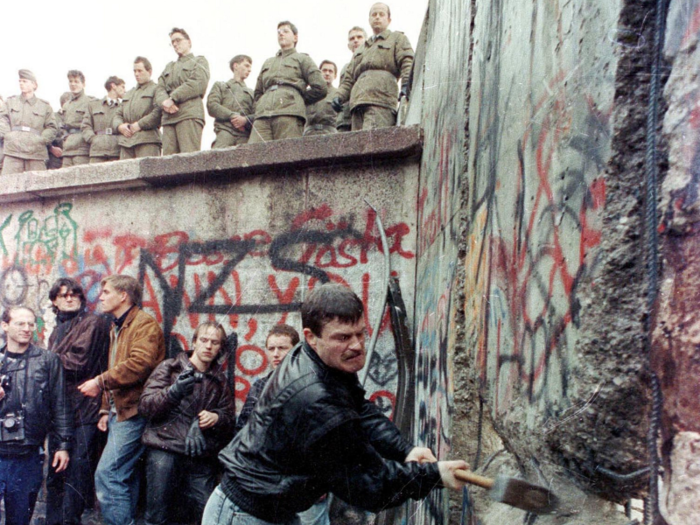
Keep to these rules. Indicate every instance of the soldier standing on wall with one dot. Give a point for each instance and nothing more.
(97, 125)
(370, 79)
(231, 104)
(356, 38)
(75, 150)
(320, 116)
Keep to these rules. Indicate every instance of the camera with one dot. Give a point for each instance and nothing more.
(12, 427)
(198, 377)
(6, 382)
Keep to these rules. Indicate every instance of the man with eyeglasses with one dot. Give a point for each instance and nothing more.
(32, 405)
(180, 92)
(81, 341)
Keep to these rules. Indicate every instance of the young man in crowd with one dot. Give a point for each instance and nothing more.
(190, 411)
(81, 341)
(137, 346)
(314, 428)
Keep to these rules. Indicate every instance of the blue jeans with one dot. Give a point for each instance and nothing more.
(222, 511)
(116, 477)
(20, 481)
(317, 514)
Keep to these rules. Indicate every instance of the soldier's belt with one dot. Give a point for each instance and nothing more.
(72, 131)
(275, 87)
(321, 127)
(26, 129)
(107, 131)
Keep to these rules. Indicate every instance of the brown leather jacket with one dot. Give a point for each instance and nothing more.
(135, 350)
(169, 422)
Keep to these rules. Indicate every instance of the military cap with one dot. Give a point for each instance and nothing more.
(26, 74)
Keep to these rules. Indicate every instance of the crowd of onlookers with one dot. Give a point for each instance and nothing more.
(293, 97)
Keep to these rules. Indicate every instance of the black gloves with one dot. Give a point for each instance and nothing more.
(183, 386)
(195, 444)
(404, 92)
(337, 104)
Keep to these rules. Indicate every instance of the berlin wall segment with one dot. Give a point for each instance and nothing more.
(243, 253)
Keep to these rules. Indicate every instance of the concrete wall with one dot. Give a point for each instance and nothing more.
(224, 235)
(676, 354)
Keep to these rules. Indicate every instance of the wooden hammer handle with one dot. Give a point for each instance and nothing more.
(469, 477)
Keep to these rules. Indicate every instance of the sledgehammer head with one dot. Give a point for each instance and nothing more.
(523, 495)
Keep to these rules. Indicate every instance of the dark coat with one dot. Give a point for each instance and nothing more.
(169, 422)
(312, 432)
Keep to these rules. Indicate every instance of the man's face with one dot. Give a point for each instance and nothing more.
(277, 347)
(111, 299)
(328, 72)
(242, 69)
(340, 345)
(67, 301)
(75, 85)
(207, 345)
(26, 86)
(141, 74)
(355, 39)
(120, 89)
(379, 18)
(181, 45)
(286, 37)
(21, 327)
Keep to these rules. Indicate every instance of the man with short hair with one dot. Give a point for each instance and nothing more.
(320, 116)
(27, 127)
(32, 405)
(97, 125)
(287, 83)
(232, 105)
(356, 38)
(81, 341)
(136, 347)
(75, 150)
(190, 411)
(313, 428)
(370, 80)
(180, 92)
(138, 116)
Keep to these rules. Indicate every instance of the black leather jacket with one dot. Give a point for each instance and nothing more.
(36, 381)
(314, 432)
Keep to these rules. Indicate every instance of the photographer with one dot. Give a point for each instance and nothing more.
(190, 410)
(32, 404)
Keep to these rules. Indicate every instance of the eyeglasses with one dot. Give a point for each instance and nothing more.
(69, 295)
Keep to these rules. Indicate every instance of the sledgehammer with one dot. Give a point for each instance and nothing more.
(514, 492)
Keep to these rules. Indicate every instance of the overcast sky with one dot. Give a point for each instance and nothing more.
(102, 39)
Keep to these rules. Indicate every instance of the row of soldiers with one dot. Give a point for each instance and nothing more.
(292, 97)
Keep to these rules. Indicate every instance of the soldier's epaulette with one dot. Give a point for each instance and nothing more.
(42, 100)
(93, 98)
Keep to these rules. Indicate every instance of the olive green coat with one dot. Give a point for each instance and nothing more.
(73, 114)
(138, 105)
(34, 114)
(300, 83)
(371, 76)
(185, 81)
(227, 100)
(343, 119)
(321, 113)
(97, 128)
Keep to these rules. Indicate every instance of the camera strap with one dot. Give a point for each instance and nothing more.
(6, 362)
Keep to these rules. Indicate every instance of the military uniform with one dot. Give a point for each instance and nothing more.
(281, 95)
(343, 121)
(138, 105)
(75, 150)
(320, 116)
(185, 82)
(370, 79)
(97, 130)
(27, 128)
(225, 101)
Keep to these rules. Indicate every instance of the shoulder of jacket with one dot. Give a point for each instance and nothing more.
(45, 102)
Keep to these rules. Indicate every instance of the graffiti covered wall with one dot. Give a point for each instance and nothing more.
(244, 252)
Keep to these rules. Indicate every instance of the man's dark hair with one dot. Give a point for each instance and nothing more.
(238, 59)
(291, 26)
(113, 80)
(71, 285)
(181, 31)
(74, 73)
(125, 283)
(328, 302)
(285, 330)
(335, 68)
(146, 63)
(7, 314)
